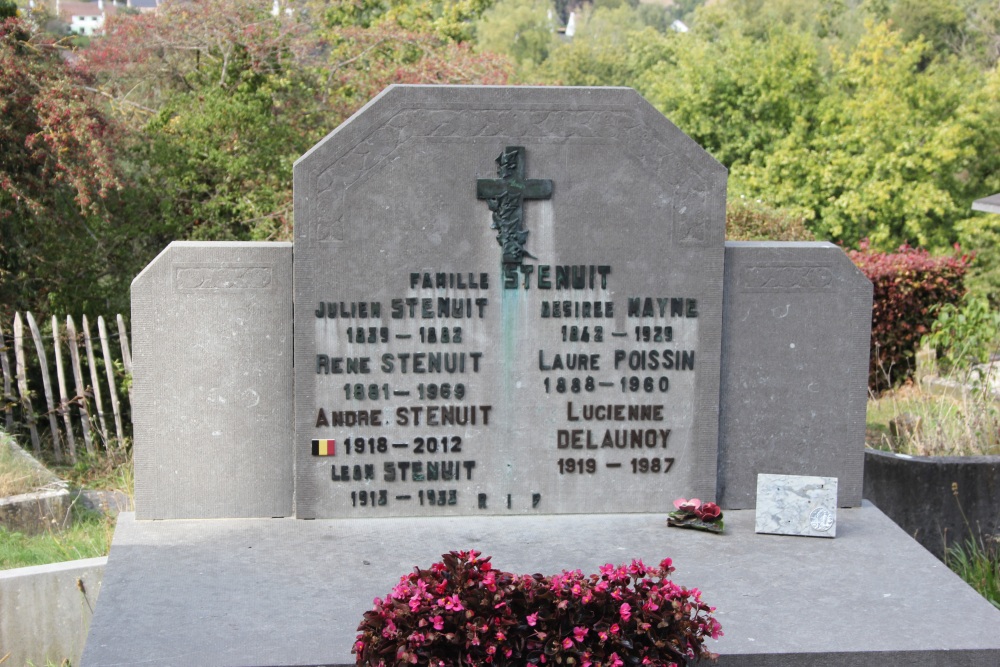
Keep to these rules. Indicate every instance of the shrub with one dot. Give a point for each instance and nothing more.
(964, 334)
(982, 233)
(908, 285)
(748, 220)
(463, 612)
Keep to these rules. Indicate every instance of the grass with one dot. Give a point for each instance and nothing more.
(87, 535)
(979, 566)
(909, 420)
(109, 470)
(975, 562)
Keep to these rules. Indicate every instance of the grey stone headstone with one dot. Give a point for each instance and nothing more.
(796, 334)
(212, 393)
(402, 190)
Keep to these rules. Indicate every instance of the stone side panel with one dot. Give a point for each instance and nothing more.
(212, 382)
(795, 339)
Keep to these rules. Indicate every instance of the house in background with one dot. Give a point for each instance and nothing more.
(87, 18)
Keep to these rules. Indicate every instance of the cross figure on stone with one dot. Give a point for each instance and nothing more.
(505, 196)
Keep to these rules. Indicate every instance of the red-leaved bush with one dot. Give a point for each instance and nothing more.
(463, 612)
(908, 283)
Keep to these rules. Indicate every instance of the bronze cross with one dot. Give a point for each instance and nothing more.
(505, 197)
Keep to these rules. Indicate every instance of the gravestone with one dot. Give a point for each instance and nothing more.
(480, 329)
(517, 328)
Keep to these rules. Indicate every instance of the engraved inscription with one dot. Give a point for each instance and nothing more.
(786, 279)
(193, 277)
(356, 165)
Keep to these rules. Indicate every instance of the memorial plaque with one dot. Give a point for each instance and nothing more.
(804, 505)
(507, 301)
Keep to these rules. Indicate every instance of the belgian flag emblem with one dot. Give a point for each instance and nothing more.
(324, 448)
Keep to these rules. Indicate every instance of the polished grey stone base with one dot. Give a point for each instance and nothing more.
(251, 592)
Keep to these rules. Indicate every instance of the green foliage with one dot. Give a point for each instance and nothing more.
(983, 234)
(681, 9)
(748, 220)
(734, 95)
(602, 53)
(938, 22)
(520, 29)
(964, 334)
(980, 36)
(449, 19)
(975, 561)
(222, 97)
(109, 469)
(223, 157)
(908, 287)
(8, 9)
(360, 13)
(883, 157)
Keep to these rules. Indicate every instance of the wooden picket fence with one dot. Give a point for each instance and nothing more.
(82, 411)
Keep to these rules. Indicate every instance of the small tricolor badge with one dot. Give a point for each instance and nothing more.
(324, 448)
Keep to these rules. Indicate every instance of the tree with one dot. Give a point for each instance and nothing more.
(223, 96)
(938, 22)
(59, 179)
(600, 53)
(521, 29)
(887, 153)
(734, 95)
(218, 113)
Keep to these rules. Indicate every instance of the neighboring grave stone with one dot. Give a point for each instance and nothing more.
(211, 359)
(506, 301)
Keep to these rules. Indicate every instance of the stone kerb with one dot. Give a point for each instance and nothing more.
(212, 393)
(393, 192)
(46, 611)
(940, 501)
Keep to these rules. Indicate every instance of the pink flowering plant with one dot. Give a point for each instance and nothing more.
(698, 515)
(461, 611)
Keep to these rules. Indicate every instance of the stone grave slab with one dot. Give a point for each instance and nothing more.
(507, 301)
(211, 403)
(268, 592)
